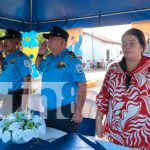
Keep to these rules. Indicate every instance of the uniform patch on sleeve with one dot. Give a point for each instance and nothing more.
(79, 68)
(27, 63)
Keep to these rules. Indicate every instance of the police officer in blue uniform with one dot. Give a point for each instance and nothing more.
(63, 82)
(15, 73)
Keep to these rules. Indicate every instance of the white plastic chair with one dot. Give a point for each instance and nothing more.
(35, 103)
(90, 108)
(87, 126)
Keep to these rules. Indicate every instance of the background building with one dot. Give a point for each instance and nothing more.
(98, 47)
(89, 46)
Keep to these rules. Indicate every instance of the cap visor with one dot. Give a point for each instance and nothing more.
(46, 36)
(2, 38)
(7, 37)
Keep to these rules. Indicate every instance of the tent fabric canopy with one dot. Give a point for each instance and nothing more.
(40, 15)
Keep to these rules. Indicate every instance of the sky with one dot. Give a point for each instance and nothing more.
(111, 32)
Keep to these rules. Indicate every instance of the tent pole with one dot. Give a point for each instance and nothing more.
(31, 14)
(92, 45)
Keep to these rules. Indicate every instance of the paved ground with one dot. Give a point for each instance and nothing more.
(97, 76)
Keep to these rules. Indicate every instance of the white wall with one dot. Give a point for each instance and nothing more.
(114, 50)
(98, 52)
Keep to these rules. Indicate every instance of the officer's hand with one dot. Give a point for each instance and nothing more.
(43, 48)
(77, 117)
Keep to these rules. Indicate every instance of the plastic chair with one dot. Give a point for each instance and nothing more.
(87, 126)
(90, 108)
(35, 103)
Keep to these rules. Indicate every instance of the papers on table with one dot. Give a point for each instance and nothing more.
(53, 134)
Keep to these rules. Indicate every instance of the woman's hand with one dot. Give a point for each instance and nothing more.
(99, 125)
(99, 128)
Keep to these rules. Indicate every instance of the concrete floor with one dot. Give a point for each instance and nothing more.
(97, 76)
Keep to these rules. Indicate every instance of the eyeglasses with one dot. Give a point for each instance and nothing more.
(130, 44)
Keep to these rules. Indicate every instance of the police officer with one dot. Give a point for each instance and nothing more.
(63, 82)
(15, 74)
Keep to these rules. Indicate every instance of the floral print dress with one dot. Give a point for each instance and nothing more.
(127, 105)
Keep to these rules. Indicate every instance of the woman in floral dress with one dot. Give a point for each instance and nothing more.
(125, 96)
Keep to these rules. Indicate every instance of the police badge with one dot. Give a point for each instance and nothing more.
(61, 64)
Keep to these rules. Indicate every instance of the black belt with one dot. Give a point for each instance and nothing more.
(16, 92)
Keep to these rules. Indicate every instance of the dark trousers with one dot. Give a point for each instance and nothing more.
(55, 119)
(11, 104)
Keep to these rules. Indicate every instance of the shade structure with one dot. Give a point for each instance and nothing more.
(40, 15)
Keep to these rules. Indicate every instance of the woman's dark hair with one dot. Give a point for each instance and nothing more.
(139, 34)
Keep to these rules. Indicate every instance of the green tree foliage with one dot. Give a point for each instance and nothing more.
(40, 38)
(2, 32)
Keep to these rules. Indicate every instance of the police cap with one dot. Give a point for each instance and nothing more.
(10, 34)
(57, 32)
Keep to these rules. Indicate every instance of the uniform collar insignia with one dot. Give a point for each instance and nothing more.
(72, 54)
(20, 53)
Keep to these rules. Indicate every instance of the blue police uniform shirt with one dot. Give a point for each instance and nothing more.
(60, 75)
(15, 67)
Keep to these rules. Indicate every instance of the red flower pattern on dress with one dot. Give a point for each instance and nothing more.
(127, 110)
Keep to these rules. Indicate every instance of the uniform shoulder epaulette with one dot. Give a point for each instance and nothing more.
(72, 54)
(20, 53)
(49, 54)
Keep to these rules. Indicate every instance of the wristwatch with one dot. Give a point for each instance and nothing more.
(40, 55)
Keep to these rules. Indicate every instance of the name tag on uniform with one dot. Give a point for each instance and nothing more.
(12, 61)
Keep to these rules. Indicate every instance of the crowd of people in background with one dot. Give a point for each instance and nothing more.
(96, 65)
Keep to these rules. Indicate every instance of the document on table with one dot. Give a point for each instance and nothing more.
(53, 134)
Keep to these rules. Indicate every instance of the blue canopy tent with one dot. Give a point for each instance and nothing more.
(40, 15)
